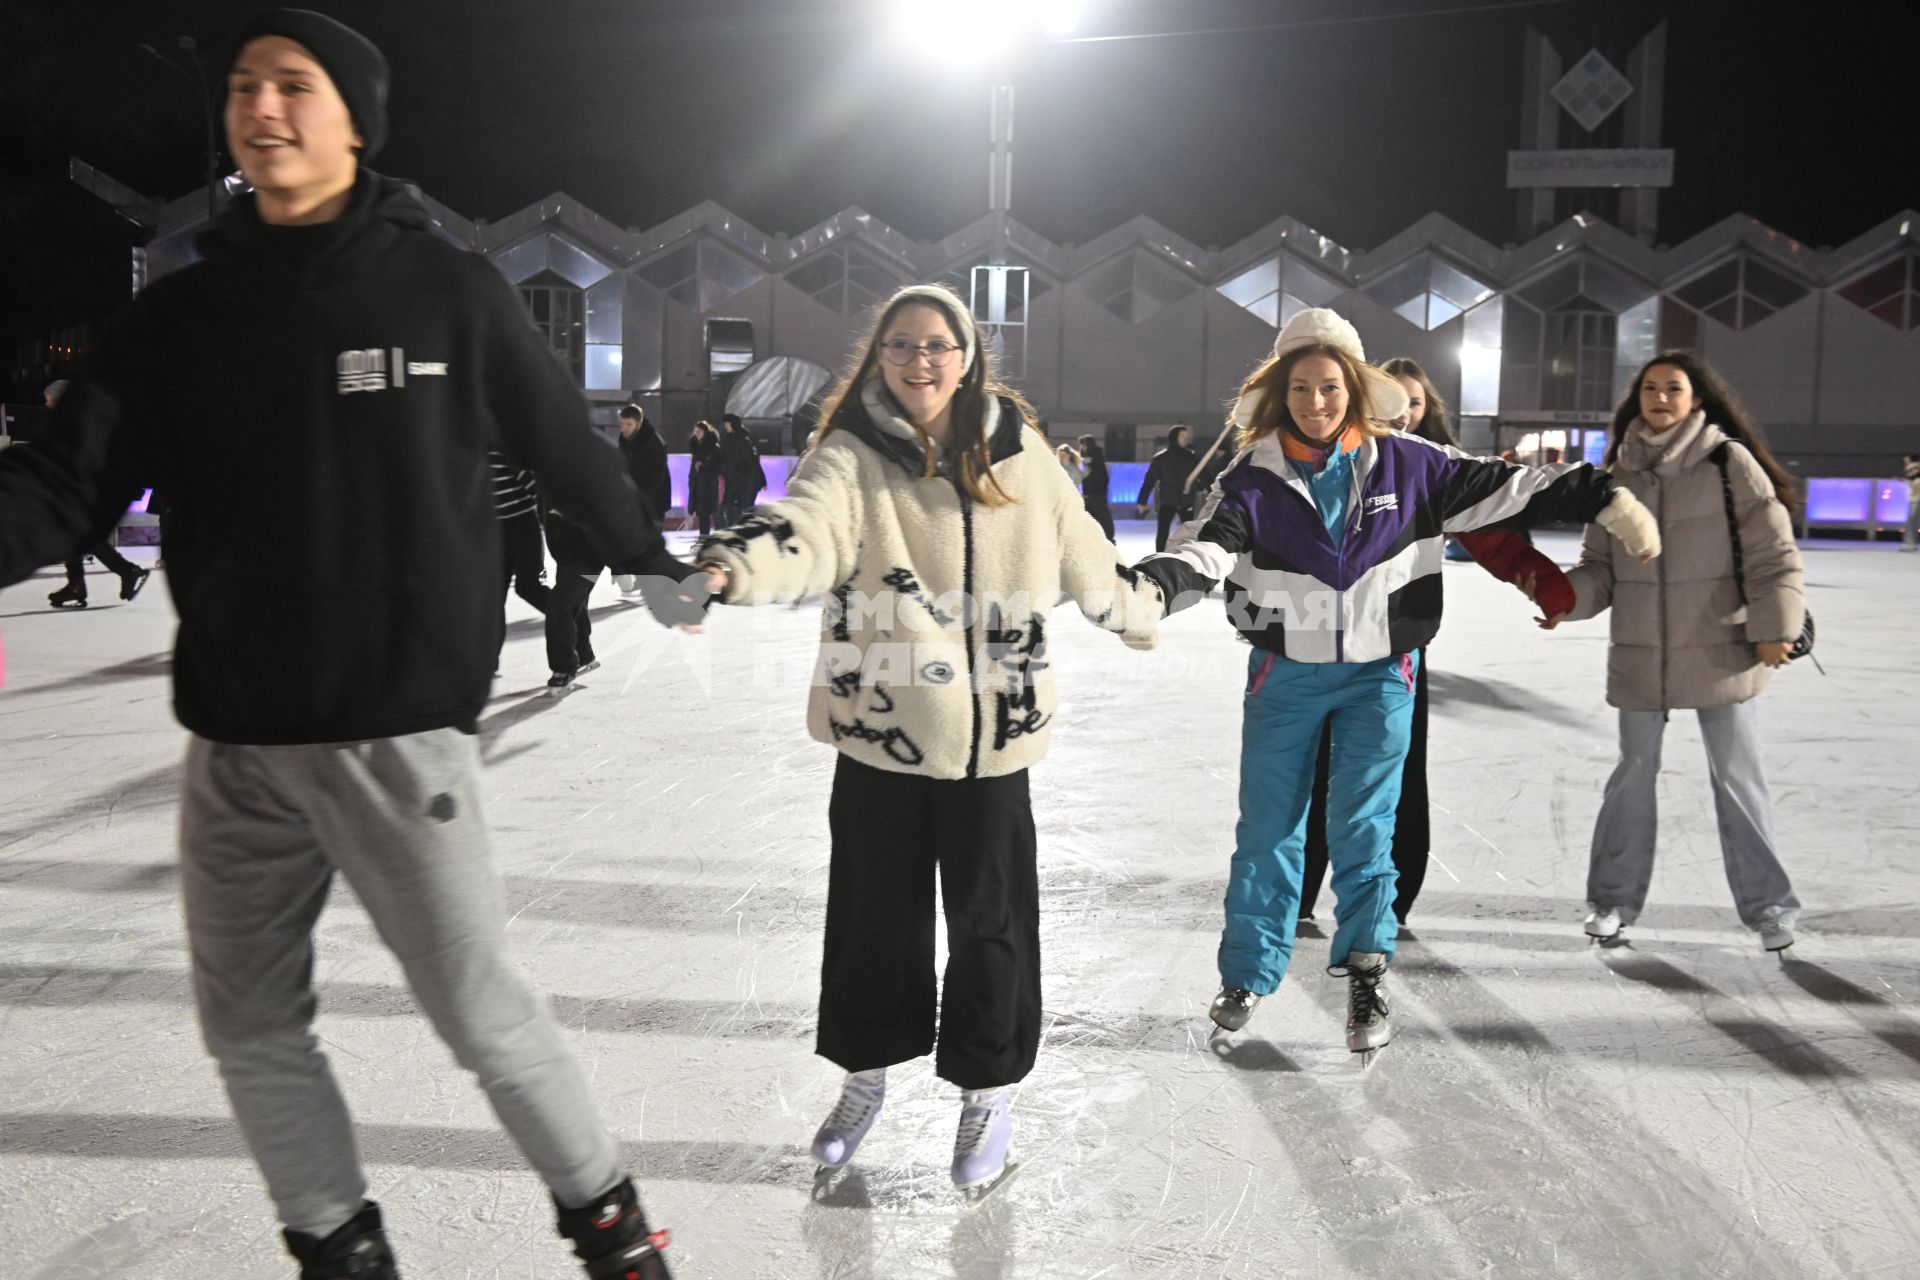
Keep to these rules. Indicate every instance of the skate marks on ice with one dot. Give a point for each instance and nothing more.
(133, 1136)
(1870, 1009)
(1499, 1155)
(532, 702)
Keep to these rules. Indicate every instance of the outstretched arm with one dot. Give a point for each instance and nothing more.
(1201, 553)
(1112, 596)
(1511, 558)
(801, 545)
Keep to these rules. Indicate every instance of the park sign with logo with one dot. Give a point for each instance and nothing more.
(1591, 92)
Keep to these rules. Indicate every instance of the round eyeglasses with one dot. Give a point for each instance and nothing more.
(939, 354)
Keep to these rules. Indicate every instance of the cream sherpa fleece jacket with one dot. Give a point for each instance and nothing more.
(933, 656)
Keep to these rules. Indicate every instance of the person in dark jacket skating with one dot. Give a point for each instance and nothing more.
(646, 456)
(74, 594)
(317, 394)
(516, 505)
(1093, 484)
(703, 476)
(741, 477)
(1170, 473)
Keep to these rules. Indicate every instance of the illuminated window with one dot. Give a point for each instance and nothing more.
(558, 308)
(845, 278)
(1428, 291)
(1134, 287)
(1281, 288)
(700, 275)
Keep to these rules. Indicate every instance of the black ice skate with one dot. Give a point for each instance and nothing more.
(560, 682)
(612, 1238)
(131, 583)
(68, 598)
(1369, 1024)
(357, 1250)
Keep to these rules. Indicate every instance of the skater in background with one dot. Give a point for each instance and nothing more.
(741, 476)
(74, 594)
(337, 582)
(1070, 463)
(703, 475)
(1682, 640)
(523, 552)
(578, 562)
(937, 521)
(1171, 473)
(1507, 555)
(1094, 482)
(1910, 534)
(1326, 529)
(646, 457)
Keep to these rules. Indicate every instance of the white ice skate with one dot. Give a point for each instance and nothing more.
(861, 1097)
(1369, 1020)
(1603, 926)
(1776, 934)
(980, 1165)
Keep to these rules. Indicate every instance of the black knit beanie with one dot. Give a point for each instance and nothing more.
(354, 63)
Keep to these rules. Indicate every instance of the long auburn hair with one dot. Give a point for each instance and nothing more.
(1270, 414)
(964, 454)
(1723, 410)
(1435, 425)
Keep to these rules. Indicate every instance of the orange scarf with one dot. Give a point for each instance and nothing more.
(1299, 451)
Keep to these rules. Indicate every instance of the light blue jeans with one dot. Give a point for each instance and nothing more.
(1370, 707)
(1623, 837)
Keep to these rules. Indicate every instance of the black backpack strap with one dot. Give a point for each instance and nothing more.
(1719, 456)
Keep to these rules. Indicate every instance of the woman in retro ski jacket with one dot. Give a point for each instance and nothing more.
(1327, 531)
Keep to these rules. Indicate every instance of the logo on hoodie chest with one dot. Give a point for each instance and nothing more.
(382, 369)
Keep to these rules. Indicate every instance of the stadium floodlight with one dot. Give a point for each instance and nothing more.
(1059, 17)
(976, 31)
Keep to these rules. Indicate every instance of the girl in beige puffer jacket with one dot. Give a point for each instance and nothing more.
(1682, 639)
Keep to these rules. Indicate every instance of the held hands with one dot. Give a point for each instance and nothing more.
(1627, 518)
(1773, 653)
(1529, 585)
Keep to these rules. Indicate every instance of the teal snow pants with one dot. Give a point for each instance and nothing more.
(1370, 708)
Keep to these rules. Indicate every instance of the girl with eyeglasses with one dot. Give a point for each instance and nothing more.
(941, 528)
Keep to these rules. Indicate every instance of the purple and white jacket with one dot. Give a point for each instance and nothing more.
(1292, 591)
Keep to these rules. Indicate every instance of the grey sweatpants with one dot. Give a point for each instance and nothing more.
(262, 831)
(1623, 836)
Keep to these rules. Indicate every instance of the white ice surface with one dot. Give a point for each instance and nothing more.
(1687, 1106)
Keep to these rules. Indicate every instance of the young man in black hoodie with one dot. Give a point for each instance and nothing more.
(318, 396)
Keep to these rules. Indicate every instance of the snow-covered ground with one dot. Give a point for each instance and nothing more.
(1683, 1106)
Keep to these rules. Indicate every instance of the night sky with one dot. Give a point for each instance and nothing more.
(786, 111)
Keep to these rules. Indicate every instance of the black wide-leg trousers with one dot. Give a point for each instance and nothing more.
(878, 1003)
